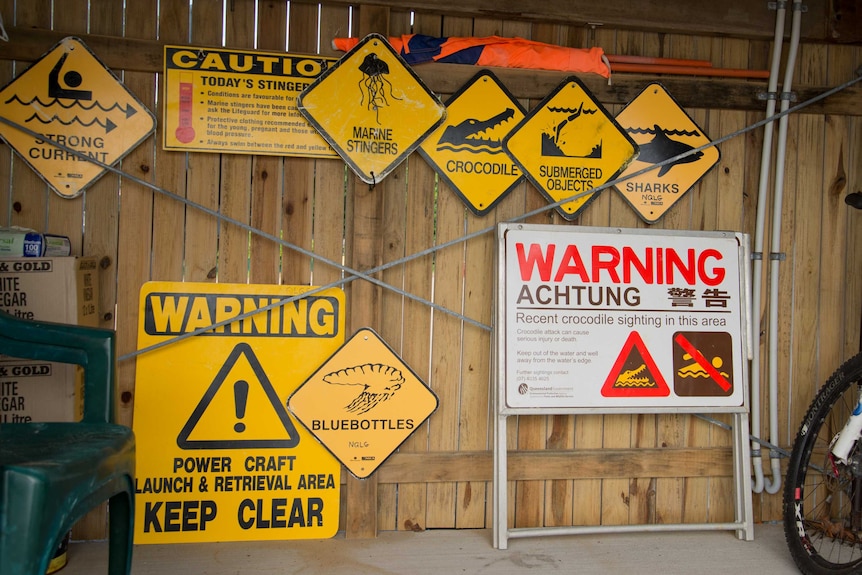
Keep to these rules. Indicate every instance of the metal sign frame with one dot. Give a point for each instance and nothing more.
(743, 523)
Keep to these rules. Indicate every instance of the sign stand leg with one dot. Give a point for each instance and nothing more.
(500, 483)
(742, 476)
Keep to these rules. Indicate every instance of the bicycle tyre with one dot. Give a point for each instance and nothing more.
(817, 489)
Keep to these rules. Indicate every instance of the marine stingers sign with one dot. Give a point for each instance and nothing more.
(363, 403)
(69, 97)
(568, 145)
(371, 108)
(600, 317)
(218, 456)
(663, 131)
(467, 149)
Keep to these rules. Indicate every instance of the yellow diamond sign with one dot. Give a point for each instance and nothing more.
(569, 145)
(69, 97)
(666, 135)
(467, 149)
(371, 108)
(363, 403)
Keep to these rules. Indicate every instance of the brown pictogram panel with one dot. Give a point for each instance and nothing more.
(703, 364)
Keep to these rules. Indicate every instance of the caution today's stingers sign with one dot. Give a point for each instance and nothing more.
(218, 456)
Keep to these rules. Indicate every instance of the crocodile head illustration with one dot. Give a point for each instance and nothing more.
(634, 378)
(469, 132)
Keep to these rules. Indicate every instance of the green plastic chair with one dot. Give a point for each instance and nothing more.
(52, 474)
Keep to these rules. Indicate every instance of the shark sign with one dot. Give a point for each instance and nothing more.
(667, 137)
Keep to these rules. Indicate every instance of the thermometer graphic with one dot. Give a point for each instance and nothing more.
(185, 132)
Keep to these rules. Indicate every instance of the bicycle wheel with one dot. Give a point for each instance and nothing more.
(823, 535)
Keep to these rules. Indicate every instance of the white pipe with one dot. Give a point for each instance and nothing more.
(773, 486)
(759, 233)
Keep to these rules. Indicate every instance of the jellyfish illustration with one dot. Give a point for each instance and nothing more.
(373, 83)
(377, 383)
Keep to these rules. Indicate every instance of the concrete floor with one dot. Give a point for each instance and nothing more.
(462, 551)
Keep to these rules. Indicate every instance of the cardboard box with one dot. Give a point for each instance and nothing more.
(64, 290)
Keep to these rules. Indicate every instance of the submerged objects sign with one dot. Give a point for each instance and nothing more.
(218, 456)
(372, 108)
(612, 318)
(242, 102)
(70, 98)
(363, 403)
(569, 145)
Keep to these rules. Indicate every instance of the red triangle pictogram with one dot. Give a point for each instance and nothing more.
(634, 373)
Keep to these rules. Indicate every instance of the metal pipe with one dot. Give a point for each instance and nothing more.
(773, 485)
(627, 59)
(759, 233)
(689, 70)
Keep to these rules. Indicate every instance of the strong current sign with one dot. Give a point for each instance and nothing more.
(218, 456)
(629, 319)
(72, 99)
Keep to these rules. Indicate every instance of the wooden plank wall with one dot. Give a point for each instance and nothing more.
(611, 469)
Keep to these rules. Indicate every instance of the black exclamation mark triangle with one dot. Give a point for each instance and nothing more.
(240, 349)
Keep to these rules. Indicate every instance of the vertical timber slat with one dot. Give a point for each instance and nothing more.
(364, 299)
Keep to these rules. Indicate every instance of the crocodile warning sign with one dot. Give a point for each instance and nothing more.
(617, 318)
(219, 458)
(467, 149)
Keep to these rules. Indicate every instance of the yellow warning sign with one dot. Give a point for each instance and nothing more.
(363, 403)
(69, 97)
(568, 145)
(243, 102)
(371, 108)
(666, 135)
(219, 458)
(467, 149)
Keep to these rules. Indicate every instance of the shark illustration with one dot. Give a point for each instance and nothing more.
(662, 148)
